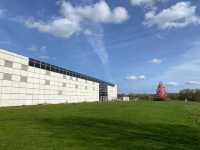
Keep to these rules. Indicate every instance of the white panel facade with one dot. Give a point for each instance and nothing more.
(112, 92)
(21, 84)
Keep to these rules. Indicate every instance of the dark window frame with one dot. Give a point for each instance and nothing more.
(53, 68)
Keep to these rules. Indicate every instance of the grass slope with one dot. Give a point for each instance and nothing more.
(104, 126)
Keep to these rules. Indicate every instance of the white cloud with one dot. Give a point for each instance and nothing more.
(141, 77)
(133, 77)
(120, 15)
(100, 12)
(35, 48)
(59, 27)
(143, 2)
(179, 15)
(72, 18)
(76, 19)
(172, 84)
(155, 61)
(193, 83)
(95, 37)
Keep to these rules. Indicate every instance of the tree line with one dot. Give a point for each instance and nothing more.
(185, 94)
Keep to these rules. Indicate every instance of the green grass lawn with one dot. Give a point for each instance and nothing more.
(142, 125)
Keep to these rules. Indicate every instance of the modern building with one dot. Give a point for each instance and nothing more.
(125, 98)
(26, 81)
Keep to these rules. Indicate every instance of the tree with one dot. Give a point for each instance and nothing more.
(161, 92)
(190, 94)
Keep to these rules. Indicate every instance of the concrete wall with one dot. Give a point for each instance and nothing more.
(112, 92)
(21, 84)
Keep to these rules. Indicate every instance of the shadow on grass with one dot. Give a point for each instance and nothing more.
(92, 133)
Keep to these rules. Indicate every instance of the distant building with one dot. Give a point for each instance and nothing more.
(26, 81)
(125, 98)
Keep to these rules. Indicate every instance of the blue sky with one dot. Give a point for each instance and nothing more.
(133, 43)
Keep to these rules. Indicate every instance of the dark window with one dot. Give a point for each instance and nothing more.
(63, 71)
(37, 64)
(43, 66)
(57, 69)
(68, 73)
(31, 63)
(48, 67)
(60, 70)
(53, 68)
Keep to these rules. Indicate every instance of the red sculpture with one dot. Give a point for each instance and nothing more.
(161, 92)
